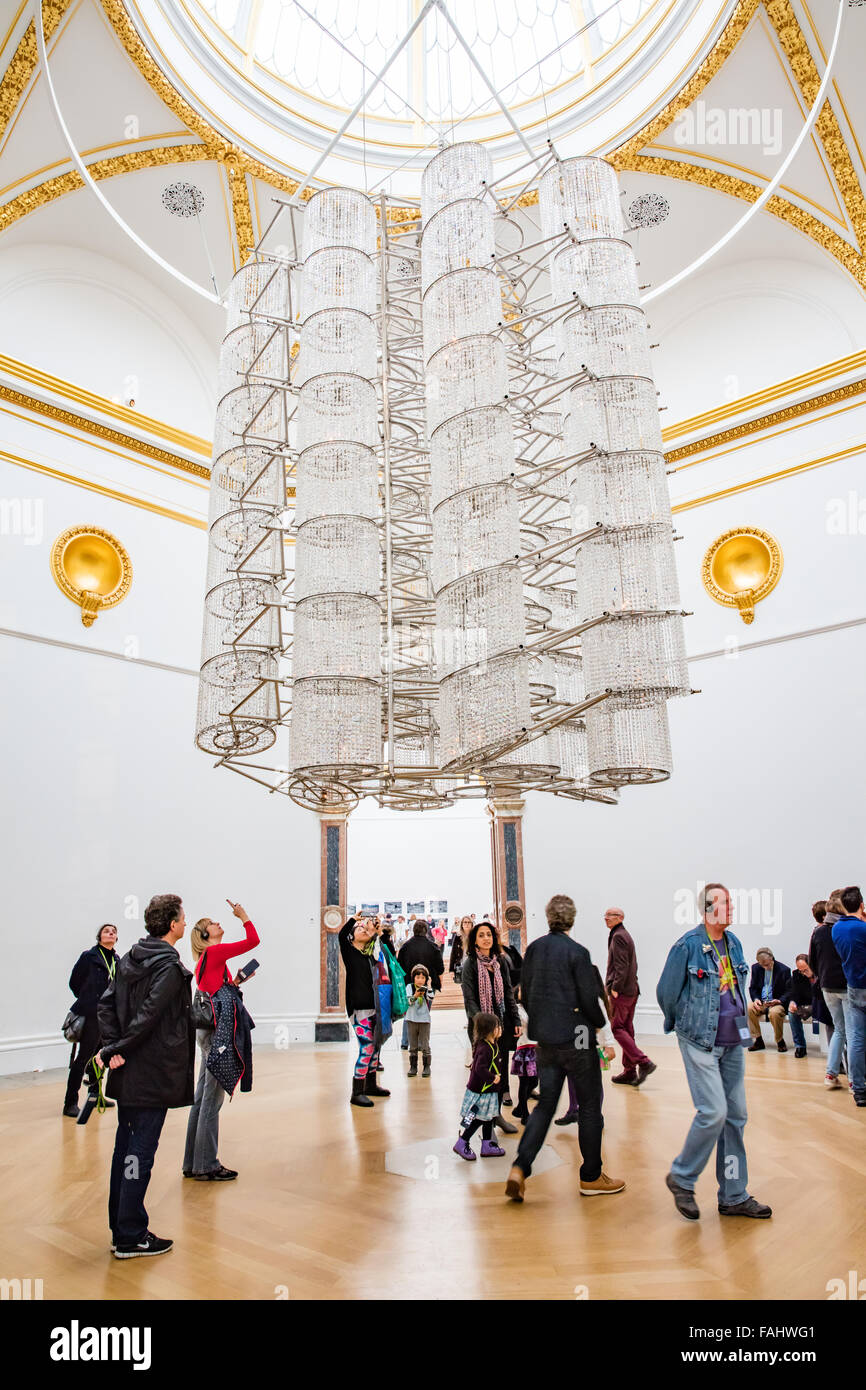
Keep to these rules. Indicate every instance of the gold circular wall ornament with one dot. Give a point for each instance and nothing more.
(742, 567)
(91, 568)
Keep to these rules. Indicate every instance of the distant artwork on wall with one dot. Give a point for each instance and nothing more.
(350, 909)
(369, 907)
(394, 908)
(417, 908)
(439, 907)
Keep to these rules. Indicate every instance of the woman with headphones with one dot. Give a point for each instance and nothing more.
(202, 1133)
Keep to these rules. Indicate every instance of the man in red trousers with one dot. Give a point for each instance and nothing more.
(622, 986)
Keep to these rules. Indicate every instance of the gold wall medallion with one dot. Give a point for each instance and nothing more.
(741, 568)
(91, 568)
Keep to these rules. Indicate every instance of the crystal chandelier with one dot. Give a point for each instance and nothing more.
(476, 586)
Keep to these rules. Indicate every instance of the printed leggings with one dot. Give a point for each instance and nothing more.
(368, 1053)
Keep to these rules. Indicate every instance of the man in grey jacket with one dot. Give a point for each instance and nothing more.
(559, 990)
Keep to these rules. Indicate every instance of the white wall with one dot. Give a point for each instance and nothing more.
(398, 855)
(766, 796)
(91, 321)
(106, 800)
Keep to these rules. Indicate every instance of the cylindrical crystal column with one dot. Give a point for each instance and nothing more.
(242, 633)
(481, 662)
(336, 704)
(626, 575)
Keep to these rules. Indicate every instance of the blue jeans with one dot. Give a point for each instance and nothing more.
(203, 1127)
(837, 1002)
(135, 1144)
(717, 1083)
(797, 1033)
(857, 1040)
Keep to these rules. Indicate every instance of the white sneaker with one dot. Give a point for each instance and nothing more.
(832, 1082)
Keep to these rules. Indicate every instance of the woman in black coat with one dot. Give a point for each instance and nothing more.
(91, 976)
(487, 988)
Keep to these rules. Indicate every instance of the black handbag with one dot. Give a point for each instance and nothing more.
(202, 1002)
(72, 1027)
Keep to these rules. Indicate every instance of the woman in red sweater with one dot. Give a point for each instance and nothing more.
(211, 972)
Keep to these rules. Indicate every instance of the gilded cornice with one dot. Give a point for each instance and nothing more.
(797, 217)
(217, 146)
(765, 422)
(802, 64)
(736, 26)
(128, 163)
(24, 60)
(779, 391)
(85, 426)
(241, 210)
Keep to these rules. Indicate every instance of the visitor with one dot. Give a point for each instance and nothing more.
(91, 975)
(148, 1045)
(768, 988)
(824, 960)
(419, 992)
(801, 1001)
(622, 988)
(849, 938)
(458, 946)
(487, 988)
(515, 960)
(481, 1098)
(420, 950)
(439, 935)
(604, 1037)
(364, 965)
(560, 996)
(525, 1068)
(702, 997)
(210, 953)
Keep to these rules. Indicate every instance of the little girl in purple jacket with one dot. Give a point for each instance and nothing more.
(481, 1100)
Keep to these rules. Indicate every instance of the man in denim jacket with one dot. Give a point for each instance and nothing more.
(702, 993)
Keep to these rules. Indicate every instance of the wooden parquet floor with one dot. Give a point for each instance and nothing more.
(315, 1214)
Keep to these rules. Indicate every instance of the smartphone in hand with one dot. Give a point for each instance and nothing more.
(247, 971)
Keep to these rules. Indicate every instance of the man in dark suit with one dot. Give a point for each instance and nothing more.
(559, 989)
(769, 992)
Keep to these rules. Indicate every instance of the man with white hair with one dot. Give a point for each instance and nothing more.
(702, 994)
(622, 987)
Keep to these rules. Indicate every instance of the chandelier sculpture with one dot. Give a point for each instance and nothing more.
(475, 587)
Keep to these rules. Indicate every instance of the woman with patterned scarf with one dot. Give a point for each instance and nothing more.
(368, 989)
(486, 982)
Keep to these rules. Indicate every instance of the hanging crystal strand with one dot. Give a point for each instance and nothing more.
(626, 574)
(238, 705)
(481, 662)
(336, 714)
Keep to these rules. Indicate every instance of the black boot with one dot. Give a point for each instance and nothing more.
(413, 1064)
(426, 1071)
(358, 1097)
(372, 1087)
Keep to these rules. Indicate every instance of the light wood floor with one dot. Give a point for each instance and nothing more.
(314, 1213)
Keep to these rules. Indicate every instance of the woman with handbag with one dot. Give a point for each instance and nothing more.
(369, 995)
(90, 978)
(200, 1159)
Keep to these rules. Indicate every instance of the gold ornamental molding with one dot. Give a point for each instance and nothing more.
(128, 163)
(25, 60)
(765, 422)
(628, 156)
(741, 567)
(92, 427)
(92, 569)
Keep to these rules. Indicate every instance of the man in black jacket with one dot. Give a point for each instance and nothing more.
(559, 989)
(768, 990)
(148, 1044)
(420, 950)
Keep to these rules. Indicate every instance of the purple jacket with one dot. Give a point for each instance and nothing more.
(484, 1073)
